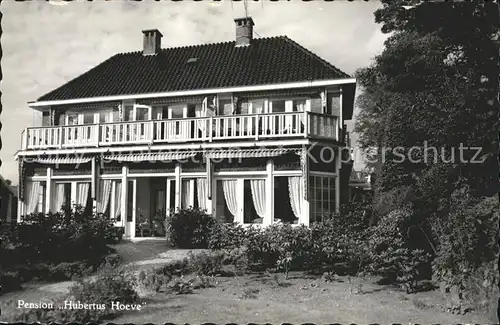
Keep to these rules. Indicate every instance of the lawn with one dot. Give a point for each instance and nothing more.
(264, 298)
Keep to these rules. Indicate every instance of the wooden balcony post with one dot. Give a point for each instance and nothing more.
(26, 138)
(60, 137)
(337, 128)
(257, 131)
(151, 132)
(306, 124)
(96, 129)
(210, 128)
(48, 191)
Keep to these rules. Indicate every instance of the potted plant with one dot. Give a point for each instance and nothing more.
(142, 222)
(159, 223)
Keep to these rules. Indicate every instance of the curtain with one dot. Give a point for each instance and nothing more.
(58, 198)
(33, 191)
(186, 194)
(201, 186)
(118, 200)
(103, 196)
(296, 191)
(83, 193)
(258, 187)
(201, 111)
(229, 187)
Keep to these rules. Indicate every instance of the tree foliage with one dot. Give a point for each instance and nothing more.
(434, 90)
(435, 83)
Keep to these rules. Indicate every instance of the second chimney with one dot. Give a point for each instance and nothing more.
(152, 41)
(244, 31)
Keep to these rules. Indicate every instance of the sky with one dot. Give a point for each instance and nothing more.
(45, 45)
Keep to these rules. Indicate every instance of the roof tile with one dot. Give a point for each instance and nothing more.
(270, 60)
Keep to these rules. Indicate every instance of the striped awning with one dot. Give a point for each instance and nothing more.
(250, 153)
(58, 160)
(152, 156)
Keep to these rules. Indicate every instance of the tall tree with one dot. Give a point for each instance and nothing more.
(435, 84)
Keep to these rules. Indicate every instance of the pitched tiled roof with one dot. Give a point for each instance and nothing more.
(266, 61)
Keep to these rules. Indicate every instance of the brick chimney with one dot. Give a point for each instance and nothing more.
(152, 41)
(244, 31)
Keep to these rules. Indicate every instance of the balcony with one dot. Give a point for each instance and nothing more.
(187, 130)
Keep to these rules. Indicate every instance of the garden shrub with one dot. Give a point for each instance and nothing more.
(334, 244)
(466, 246)
(112, 260)
(68, 271)
(56, 246)
(338, 241)
(226, 236)
(176, 268)
(236, 257)
(391, 256)
(189, 228)
(205, 263)
(110, 286)
(9, 281)
(155, 279)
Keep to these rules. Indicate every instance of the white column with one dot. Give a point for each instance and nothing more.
(48, 190)
(112, 212)
(73, 193)
(191, 192)
(94, 184)
(268, 220)
(123, 205)
(306, 213)
(337, 180)
(341, 121)
(167, 197)
(134, 209)
(19, 210)
(210, 190)
(177, 186)
(240, 194)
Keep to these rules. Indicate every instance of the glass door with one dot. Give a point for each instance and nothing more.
(177, 128)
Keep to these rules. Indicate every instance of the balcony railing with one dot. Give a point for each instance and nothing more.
(203, 129)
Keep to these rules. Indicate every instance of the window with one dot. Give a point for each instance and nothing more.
(88, 117)
(128, 112)
(141, 113)
(253, 195)
(256, 106)
(278, 106)
(299, 105)
(130, 200)
(282, 206)
(67, 196)
(41, 198)
(334, 108)
(317, 105)
(221, 209)
(322, 197)
(72, 119)
(225, 106)
(171, 184)
(189, 194)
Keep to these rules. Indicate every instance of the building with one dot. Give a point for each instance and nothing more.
(251, 130)
(8, 201)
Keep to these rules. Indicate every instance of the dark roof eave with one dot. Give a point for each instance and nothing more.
(348, 84)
